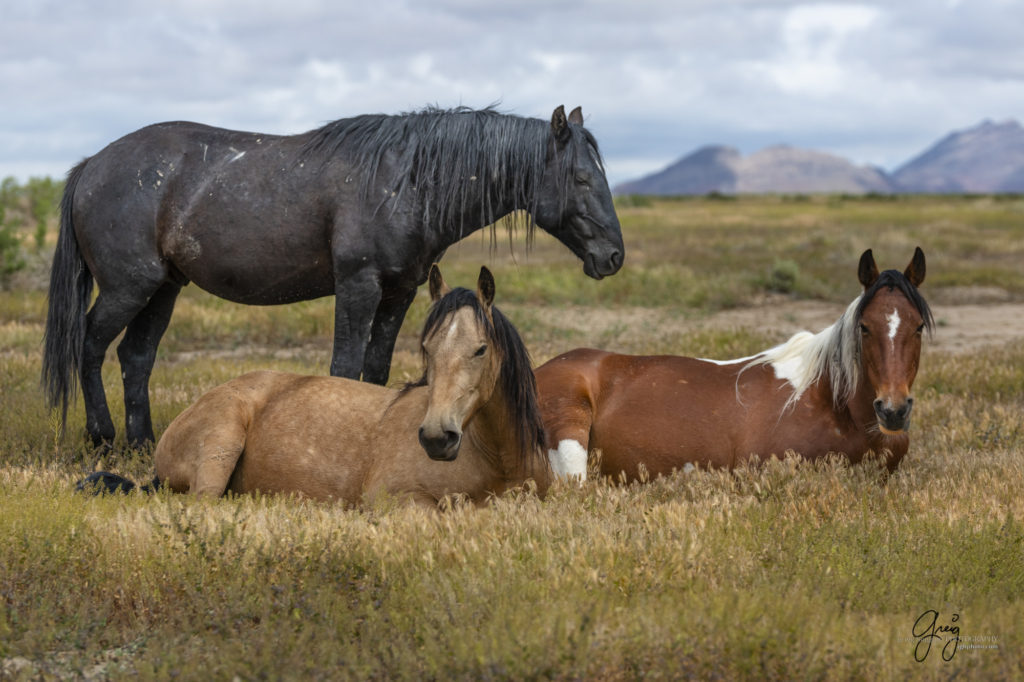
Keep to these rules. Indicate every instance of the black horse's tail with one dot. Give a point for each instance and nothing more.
(70, 292)
(102, 482)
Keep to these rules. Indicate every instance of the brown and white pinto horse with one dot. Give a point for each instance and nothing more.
(844, 390)
(474, 412)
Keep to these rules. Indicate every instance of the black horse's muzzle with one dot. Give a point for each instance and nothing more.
(599, 263)
(443, 448)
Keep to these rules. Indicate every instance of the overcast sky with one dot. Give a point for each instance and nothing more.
(876, 82)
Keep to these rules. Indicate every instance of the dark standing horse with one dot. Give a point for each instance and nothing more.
(359, 208)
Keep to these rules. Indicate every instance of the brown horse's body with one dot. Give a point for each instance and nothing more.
(661, 413)
(469, 427)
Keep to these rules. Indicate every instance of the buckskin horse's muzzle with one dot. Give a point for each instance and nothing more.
(443, 447)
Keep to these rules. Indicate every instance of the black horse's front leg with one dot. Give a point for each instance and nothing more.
(386, 325)
(355, 304)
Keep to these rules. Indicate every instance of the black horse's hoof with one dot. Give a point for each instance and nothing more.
(104, 482)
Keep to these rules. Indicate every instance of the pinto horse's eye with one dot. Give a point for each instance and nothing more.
(864, 329)
(919, 330)
(480, 351)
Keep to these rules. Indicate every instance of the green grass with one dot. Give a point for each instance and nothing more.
(784, 571)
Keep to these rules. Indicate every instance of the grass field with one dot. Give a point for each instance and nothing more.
(780, 572)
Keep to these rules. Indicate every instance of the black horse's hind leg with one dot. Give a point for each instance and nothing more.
(386, 325)
(109, 315)
(137, 353)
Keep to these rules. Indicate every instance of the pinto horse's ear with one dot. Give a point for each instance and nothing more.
(915, 271)
(576, 116)
(867, 271)
(560, 126)
(485, 288)
(438, 288)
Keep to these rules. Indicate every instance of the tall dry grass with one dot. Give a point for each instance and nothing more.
(783, 571)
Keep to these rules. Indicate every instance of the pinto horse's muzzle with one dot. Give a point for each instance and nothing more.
(443, 447)
(893, 419)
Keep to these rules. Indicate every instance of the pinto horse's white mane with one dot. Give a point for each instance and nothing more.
(805, 358)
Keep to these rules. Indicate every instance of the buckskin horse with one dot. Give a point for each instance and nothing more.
(843, 390)
(474, 413)
(359, 208)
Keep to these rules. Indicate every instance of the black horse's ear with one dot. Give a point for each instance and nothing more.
(915, 271)
(560, 126)
(576, 116)
(438, 288)
(867, 271)
(485, 288)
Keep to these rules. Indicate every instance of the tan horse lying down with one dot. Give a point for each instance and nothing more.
(474, 412)
(843, 390)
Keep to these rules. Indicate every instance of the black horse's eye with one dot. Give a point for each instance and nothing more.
(480, 351)
(582, 179)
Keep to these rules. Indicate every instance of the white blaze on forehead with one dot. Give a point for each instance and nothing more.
(453, 329)
(893, 319)
(569, 460)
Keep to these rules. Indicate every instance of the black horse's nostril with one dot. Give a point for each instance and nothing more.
(616, 259)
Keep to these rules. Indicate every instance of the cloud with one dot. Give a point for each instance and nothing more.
(876, 80)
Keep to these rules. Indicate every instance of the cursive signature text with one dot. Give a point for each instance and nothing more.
(927, 630)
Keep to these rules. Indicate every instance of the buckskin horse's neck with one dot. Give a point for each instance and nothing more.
(493, 434)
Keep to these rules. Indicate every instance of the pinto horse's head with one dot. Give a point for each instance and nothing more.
(574, 202)
(463, 362)
(892, 317)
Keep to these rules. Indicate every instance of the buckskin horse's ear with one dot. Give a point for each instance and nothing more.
(485, 288)
(915, 271)
(438, 288)
(559, 125)
(867, 271)
(576, 116)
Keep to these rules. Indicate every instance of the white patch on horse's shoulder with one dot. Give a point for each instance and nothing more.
(569, 460)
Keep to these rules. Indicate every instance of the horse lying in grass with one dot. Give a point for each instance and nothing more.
(844, 390)
(474, 412)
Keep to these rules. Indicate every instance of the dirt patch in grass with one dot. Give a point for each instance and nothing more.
(960, 327)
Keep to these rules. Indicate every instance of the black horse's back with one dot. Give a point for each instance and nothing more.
(104, 482)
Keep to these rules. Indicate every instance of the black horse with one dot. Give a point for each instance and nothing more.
(359, 208)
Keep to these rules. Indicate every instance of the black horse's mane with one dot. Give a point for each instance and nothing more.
(894, 279)
(456, 158)
(516, 382)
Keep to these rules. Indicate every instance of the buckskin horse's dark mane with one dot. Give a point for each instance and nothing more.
(517, 382)
(447, 153)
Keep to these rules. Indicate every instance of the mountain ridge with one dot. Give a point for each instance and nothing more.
(987, 158)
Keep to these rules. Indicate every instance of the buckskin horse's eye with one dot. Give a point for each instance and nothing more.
(480, 351)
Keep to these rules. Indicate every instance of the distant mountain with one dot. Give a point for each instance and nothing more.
(988, 158)
(779, 169)
(984, 159)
